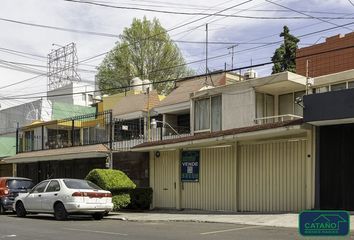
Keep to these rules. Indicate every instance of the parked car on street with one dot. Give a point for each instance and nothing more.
(63, 197)
(10, 187)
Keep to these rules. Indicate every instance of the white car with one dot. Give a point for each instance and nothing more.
(64, 197)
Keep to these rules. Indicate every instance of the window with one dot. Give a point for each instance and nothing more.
(53, 186)
(264, 105)
(287, 104)
(339, 86)
(40, 187)
(90, 98)
(350, 84)
(80, 184)
(207, 114)
(322, 89)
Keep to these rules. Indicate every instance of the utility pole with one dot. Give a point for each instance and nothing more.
(232, 54)
(206, 54)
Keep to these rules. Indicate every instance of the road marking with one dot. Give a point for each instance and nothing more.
(232, 229)
(8, 236)
(83, 230)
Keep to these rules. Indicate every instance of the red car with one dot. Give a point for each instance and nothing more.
(10, 187)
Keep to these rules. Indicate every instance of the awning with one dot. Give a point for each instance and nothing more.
(80, 152)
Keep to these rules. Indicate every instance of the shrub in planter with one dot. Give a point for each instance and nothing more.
(115, 181)
(140, 198)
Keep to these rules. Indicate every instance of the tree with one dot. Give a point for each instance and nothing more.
(284, 56)
(145, 50)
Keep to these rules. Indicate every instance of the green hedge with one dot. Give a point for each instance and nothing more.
(115, 181)
(141, 198)
(109, 179)
(120, 201)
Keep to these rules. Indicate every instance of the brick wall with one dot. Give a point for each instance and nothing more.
(329, 62)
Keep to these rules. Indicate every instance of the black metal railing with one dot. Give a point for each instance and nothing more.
(77, 131)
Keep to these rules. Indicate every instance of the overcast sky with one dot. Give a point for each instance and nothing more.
(248, 32)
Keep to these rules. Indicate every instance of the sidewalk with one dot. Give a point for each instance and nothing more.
(276, 220)
(289, 220)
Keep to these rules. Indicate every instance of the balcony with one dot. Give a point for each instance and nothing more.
(278, 118)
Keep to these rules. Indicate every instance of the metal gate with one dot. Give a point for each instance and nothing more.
(272, 176)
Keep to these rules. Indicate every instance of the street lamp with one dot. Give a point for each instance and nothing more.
(154, 125)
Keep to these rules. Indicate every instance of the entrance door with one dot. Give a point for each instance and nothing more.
(165, 176)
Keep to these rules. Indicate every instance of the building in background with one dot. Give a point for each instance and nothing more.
(332, 56)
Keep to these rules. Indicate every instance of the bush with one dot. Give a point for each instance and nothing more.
(112, 180)
(115, 181)
(141, 198)
(120, 201)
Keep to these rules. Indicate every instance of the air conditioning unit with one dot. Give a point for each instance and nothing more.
(250, 74)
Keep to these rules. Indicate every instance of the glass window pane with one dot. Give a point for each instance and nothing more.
(339, 86)
(351, 84)
(269, 107)
(322, 89)
(216, 113)
(202, 114)
(286, 104)
(53, 186)
(259, 105)
(40, 187)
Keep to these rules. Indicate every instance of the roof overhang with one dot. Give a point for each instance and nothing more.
(83, 152)
(282, 87)
(132, 115)
(182, 107)
(61, 157)
(279, 132)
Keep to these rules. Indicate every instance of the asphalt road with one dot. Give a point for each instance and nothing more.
(41, 227)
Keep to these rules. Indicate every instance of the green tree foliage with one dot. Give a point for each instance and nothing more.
(144, 50)
(284, 56)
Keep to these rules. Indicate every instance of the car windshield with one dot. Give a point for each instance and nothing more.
(19, 184)
(80, 184)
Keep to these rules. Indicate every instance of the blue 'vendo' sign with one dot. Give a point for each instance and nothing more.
(190, 166)
(324, 223)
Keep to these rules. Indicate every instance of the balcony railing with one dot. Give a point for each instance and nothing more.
(155, 134)
(277, 118)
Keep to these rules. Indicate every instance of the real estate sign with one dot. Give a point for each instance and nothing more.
(190, 166)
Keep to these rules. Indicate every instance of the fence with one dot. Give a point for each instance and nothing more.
(77, 131)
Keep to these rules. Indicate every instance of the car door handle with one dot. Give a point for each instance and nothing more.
(39, 195)
(55, 194)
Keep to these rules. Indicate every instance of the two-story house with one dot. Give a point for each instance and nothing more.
(248, 151)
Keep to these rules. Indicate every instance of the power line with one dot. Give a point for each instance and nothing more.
(305, 14)
(191, 13)
(175, 79)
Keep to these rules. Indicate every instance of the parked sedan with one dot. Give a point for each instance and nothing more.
(64, 197)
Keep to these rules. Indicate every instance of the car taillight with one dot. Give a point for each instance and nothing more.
(77, 194)
(108, 195)
(6, 192)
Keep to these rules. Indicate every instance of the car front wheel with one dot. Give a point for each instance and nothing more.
(60, 212)
(20, 210)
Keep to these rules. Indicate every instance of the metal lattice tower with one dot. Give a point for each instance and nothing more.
(62, 67)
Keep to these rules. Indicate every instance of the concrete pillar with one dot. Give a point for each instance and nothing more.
(235, 193)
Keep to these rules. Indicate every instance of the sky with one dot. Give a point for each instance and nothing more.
(254, 26)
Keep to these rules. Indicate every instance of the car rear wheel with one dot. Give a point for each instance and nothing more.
(20, 210)
(2, 209)
(98, 216)
(60, 212)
